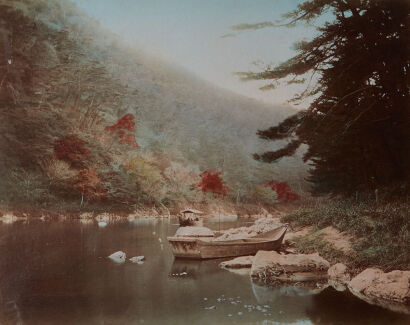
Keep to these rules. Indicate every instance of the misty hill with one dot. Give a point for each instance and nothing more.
(66, 85)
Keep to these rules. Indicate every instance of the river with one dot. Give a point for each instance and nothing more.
(57, 272)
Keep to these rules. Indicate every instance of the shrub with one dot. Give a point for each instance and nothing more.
(58, 170)
(89, 184)
(283, 191)
(148, 177)
(71, 149)
(213, 183)
(125, 123)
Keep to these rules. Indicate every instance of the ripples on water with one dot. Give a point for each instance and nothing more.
(58, 273)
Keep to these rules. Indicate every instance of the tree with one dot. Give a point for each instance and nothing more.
(283, 191)
(148, 177)
(89, 184)
(125, 123)
(357, 125)
(72, 150)
(212, 182)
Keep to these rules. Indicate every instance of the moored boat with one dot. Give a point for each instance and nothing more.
(189, 217)
(211, 247)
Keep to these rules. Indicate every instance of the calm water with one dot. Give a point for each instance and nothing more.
(58, 273)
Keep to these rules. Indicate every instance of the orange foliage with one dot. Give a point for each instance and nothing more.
(89, 183)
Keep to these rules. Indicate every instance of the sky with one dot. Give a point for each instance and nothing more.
(187, 33)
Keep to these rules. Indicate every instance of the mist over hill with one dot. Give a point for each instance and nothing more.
(87, 118)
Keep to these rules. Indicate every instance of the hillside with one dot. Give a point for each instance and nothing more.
(86, 119)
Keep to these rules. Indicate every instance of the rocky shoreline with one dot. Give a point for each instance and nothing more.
(389, 290)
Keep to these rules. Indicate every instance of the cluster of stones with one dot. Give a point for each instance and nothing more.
(390, 290)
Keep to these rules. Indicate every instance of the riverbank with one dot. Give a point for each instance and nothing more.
(359, 234)
(360, 248)
(255, 211)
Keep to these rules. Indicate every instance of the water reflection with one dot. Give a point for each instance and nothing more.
(143, 221)
(86, 221)
(59, 273)
(290, 302)
(192, 269)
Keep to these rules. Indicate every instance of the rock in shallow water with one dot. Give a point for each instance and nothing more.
(390, 290)
(271, 266)
(118, 257)
(137, 259)
(238, 263)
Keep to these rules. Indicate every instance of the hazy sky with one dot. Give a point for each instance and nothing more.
(188, 33)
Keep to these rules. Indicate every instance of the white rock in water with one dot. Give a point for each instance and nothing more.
(137, 259)
(102, 224)
(194, 232)
(238, 263)
(390, 290)
(118, 257)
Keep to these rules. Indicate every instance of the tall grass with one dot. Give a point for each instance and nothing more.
(381, 232)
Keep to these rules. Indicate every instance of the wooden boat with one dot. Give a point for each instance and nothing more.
(207, 247)
(189, 217)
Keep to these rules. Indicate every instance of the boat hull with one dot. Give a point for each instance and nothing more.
(195, 248)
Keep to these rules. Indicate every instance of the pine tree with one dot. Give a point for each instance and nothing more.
(357, 125)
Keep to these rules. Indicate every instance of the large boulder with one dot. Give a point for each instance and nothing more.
(390, 290)
(269, 266)
(192, 231)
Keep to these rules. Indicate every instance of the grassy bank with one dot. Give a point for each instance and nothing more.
(381, 232)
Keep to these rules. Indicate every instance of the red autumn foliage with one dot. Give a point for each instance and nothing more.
(283, 191)
(213, 183)
(71, 149)
(125, 123)
(127, 138)
(89, 183)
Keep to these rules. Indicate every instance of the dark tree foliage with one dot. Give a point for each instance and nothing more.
(357, 126)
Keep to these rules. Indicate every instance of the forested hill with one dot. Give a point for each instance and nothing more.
(85, 118)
